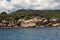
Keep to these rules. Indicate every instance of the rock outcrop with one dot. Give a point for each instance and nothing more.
(36, 22)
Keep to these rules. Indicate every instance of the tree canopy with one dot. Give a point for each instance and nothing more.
(27, 14)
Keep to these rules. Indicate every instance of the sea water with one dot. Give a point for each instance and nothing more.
(29, 33)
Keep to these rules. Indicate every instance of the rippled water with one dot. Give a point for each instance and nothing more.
(29, 33)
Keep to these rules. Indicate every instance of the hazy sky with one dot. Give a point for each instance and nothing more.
(13, 5)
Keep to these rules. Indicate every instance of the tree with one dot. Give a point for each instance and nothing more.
(3, 15)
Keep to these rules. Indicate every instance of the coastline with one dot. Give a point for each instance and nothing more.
(30, 19)
(26, 27)
(36, 22)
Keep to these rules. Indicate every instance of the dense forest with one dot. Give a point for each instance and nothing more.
(27, 14)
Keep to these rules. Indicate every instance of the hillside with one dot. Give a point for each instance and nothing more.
(27, 14)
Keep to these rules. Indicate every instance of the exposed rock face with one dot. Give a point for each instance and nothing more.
(38, 22)
(55, 25)
(4, 25)
(28, 23)
(38, 19)
(3, 21)
(44, 22)
(34, 22)
(20, 22)
(49, 24)
(1, 24)
(54, 20)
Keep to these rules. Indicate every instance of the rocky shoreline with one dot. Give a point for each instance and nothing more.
(36, 22)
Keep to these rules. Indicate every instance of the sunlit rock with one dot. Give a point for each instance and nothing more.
(44, 22)
(28, 23)
(4, 21)
(55, 25)
(1, 24)
(54, 20)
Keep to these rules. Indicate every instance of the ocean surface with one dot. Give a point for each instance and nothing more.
(29, 33)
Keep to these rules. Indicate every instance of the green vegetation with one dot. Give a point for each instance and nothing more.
(27, 14)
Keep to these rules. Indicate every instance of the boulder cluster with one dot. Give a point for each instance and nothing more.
(36, 22)
(39, 22)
